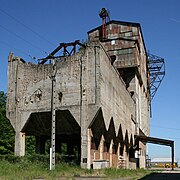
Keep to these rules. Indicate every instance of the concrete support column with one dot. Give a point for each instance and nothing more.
(84, 143)
(88, 149)
(126, 157)
(83, 114)
(118, 155)
(84, 152)
(40, 144)
(110, 151)
(84, 119)
(142, 155)
(101, 147)
(20, 144)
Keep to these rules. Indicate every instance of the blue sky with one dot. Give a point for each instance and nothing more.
(68, 20)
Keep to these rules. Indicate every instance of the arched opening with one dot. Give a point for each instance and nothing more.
(68, 139)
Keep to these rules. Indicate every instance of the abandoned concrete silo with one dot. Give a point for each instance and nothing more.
(102, 98)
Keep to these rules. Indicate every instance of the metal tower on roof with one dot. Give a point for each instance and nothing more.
(156, 67)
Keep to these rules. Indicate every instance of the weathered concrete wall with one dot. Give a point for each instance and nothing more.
(142, 155)
(29, 91)
(116, 101)
(118, 110)
(90, 88)
(29, 85)
(125, 41)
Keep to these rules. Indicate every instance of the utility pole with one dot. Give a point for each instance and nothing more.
(53, 97)
(53, 112)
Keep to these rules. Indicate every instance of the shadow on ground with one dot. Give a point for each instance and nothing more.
(162, 176)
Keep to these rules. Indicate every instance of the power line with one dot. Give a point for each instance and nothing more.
(162, 127)
(176, 129)
(30, 29)
(23, 39)
(25, 53)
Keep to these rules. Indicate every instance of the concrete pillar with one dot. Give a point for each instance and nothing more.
(19, 144)
(83, 115)
(110, 151)
(84, 138)
(89, 149)
(88, 80)
(40, 144)
(84, 119)
(101, 147)
(84, 152)
(142, 155)
(126, 157)
(118, 155)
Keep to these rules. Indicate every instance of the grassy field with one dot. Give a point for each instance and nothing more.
(27, 169)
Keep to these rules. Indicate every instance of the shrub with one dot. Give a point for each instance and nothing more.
(10, 158)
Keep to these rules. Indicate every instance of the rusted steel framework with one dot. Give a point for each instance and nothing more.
(156, 68)
(66, 52)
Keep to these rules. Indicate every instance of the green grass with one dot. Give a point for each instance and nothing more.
(134, 174)
(28, 169)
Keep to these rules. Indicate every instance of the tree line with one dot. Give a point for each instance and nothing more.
(6, 130)
(7, 134)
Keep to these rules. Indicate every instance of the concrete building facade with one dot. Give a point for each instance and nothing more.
(102, 99)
